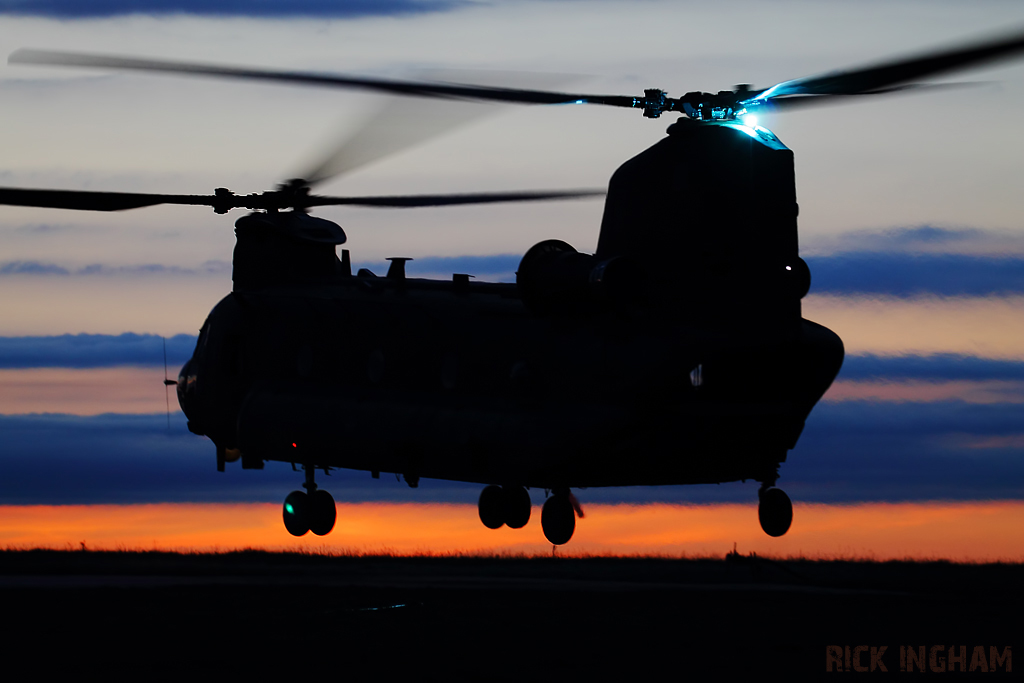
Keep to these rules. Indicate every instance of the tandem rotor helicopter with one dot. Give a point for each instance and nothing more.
(675, 354)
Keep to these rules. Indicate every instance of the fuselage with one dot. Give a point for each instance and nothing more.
(439, 379)
(701, 370)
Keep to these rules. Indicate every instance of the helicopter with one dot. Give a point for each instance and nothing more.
(675, 354)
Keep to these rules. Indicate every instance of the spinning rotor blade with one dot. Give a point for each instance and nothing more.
(725, 105)
(392, 87)
(392, 129)
(802, 101)
(289, 197)
(411, 201)
(84, 200)
(891, 76)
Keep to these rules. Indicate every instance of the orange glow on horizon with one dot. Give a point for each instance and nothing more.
(971, 531)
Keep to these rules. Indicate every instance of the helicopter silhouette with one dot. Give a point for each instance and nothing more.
(675, 354)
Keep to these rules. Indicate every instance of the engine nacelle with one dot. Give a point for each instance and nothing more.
(555, 278)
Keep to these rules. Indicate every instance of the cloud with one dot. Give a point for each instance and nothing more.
(62, 459)
(943, 366)
(897, 274)
(94, 350)
(102, 350)
(70, 9)
(849, 452)
(924, 239)
(904, 452)
(39, 268)
(31, 268)
(904, 275)
(496, 268)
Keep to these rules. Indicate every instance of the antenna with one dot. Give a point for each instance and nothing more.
(167, 383)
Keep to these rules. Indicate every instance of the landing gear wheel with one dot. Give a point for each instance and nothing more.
(323, 512)
(558, 519)
(517, 506)
(775, 511)
(297, 513)
(492, 507)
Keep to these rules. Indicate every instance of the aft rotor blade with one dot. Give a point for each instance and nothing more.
(782, 104)
(394, 87)
(883, 77)
(411, 201)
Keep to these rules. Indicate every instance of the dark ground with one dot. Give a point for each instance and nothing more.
(266, 616)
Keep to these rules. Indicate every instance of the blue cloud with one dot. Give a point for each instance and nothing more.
(900, 274)
(70, 9)
(496, 268)
(850, 452)
(857, 272)
(927, 234)
(39, 268)
(94, 351)
(31, 268)
(63, 459)
(865, 451)
(943, 366)
(99, 350)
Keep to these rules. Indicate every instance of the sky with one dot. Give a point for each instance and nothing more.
(909, 219)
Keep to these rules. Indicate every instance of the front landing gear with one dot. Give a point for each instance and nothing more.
(313, 511)
(504, 505)
(774, 510)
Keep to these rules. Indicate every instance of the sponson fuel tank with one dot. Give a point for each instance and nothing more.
(710, 212)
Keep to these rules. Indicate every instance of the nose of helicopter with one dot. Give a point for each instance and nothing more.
(185, 387)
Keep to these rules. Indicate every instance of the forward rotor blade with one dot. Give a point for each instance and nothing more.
(222, 201)
(411, 201)
(411, 88)
(883, 77)
(391, 129)
(84, 200)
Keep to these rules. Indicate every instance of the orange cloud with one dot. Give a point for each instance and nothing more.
(992, 327)
(91, 391)
(135, 390)
(986, 391)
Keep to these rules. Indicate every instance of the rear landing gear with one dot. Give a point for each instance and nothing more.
(510, 506)
(504, 505)
(558, 518)
(774, 510)
(313, 511)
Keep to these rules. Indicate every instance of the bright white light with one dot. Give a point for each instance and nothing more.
(749, 120)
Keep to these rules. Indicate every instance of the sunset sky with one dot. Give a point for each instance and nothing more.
(910, 219)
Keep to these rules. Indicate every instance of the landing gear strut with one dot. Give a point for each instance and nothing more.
(504, 505)
(313, 510)
(774, 510)
(558, 517)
